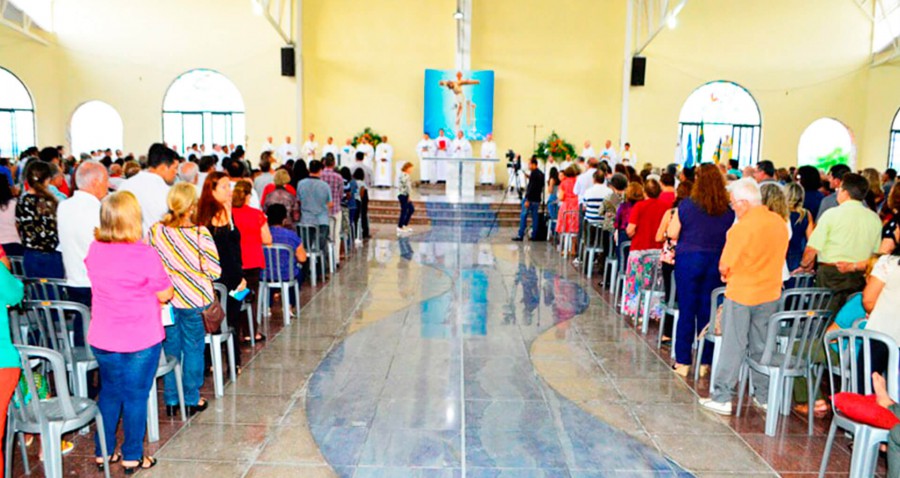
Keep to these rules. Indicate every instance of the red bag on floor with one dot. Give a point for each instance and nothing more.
(864, 409)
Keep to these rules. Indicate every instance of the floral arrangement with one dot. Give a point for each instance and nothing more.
(554, 146)
(372, 137)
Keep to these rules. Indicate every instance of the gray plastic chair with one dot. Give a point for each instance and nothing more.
(611, 263)
(671, 308)
(215, 342)
(804, 280)
(309, 234)
(167, 364)
(45, 289)
(275, 259)
(804, 298)
(52, 318)
(593, 246)
(17, 264)
(866, 439)
(717, 297)
(656, 289)
(619, 284)
(790, 339)
(51, 417)
(334, 249)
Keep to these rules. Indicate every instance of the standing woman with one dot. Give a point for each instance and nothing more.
(811, 180)
(126, 332)
(406, 207)
(11, 293)
(890, 233)
(568, 203)
(255, 234)
(553, 194)
(214, 212)
(700, 227)
(9, 235)
(774, 199)
(802, 224)
(189, 255)
(643, 223)
(36, 222)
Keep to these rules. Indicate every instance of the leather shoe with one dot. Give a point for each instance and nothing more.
(517, 239)
(195, 409)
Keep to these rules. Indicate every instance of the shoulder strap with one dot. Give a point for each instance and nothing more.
(200, 250)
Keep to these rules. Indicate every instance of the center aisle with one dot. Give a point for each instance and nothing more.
(451, 355)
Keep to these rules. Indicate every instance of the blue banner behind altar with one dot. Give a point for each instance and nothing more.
(459, 100)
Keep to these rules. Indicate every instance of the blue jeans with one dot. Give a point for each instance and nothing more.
(184, 341)
(43, 265)
(125, 381)
(406, 210)
(530, 210)
(696, 275)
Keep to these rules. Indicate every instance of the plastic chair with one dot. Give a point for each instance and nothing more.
(619, 284)
(790, 338)
(656, 289)
(866, 439)
(671, 308)
(717, 297)
(611, 263)
(593, 246)
(334, 249)
(309, 235)
(215, 342)
(45, 289)
(50, 417)
(804, 298)
(804, 280)
(51, 318)
(17, 263)
(275, 256)
(167, 364)
(567, 238)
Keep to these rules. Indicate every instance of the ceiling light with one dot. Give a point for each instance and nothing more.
(671, 22)
(458, 15)
(257, 7)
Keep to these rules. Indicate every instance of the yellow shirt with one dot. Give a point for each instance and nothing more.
(754, 253)
(850, 232)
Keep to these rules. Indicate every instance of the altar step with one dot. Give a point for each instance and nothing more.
(447, 214)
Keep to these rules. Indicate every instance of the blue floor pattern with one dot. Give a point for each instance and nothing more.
(446, 388)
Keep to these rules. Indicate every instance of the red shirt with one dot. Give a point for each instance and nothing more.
(646, 215)
(249, 222)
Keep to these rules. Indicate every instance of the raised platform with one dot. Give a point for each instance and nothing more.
(436, 209)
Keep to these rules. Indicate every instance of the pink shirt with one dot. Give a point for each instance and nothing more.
(125, 313)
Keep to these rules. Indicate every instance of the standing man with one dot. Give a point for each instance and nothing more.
(844, 240)
(488, 151)
(265, 177)
(442, 150)
(367, 150)
(287, 151)
(348, 154)
(461, 147)
(151, 186)
(834, 177)
(384, 154)
(364, 197)
(628, 156)
(532, 201)
(425, 149)
(750, 266)
(588, 151)
(330, 147)
(315, 201)
(77, 217)
(336, 183)
(609, 154)
(267, 146)
(585, 179)
(310, 147)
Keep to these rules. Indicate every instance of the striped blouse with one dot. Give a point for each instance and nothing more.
(178, 248)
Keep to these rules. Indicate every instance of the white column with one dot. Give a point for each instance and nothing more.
(298, 69)
(464, 35)
(626, 70)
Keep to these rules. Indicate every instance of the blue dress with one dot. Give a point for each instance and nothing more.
(798, 239)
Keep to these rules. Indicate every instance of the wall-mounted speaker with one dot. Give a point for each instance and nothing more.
(638, 69)
(287, 61)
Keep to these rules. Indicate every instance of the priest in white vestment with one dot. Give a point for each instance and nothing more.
(384, 155)
(609, 154)
(267, 146)
(425, 149)
(488, 151)
(442, 150)
(330, 147)
(310, 147)
(367, 150)
(461, 146)
(588, 151)
(628, 156)
(347, 154)
(287, 151)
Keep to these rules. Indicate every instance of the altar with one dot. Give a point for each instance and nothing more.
(460, 175)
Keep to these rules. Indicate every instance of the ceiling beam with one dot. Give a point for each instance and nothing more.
(21, 22)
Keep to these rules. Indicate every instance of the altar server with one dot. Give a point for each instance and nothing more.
(588, 151)
(628, 156)
(367, 150)
(442, 150)
(425, 149)
(488, 151)
(287, 151)
(384, 156)
(330, 147)
(310, 147)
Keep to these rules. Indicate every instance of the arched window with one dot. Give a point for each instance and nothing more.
(16, 116)
(894, 154)
(95, 125)
(727, 112)
(203, 107)
(826, 142)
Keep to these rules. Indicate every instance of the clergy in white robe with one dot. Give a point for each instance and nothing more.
(310, 147)
(368, 151)
(442, 150)
(588, 151)
(347, 154)
(287, 151)
(384, 157)
(488, 151)
(330, 147)
(609, 154)
(267, 146)
(425, 149)
(628, 156)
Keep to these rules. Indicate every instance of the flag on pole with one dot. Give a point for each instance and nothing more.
(718, 154)
(689, 160)
(700, 145)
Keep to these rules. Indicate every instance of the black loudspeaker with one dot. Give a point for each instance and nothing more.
(287, 61)
(638, 68)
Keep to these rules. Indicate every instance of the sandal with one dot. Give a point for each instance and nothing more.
(145, 463)
(114, 458)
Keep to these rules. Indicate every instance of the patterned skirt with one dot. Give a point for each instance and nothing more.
(638, 277)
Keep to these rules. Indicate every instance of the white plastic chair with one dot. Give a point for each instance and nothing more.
(854, 345)
(593, 246)
(568, 237)
(167, 364)
(215, 342)
(275, 260)
(309, 235)
(50, 417)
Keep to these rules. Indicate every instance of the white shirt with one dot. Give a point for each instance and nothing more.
(309, 149)
(330, 148)
(594, 196)
(588, 153)
(883, 317)
(76, 219)
(461, 148)
(384, 150)
(151, 191)
(583, 182)
(287, 151)
(489, 150)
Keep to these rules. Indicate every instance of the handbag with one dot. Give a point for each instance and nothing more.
(668, 250)
(214, 315)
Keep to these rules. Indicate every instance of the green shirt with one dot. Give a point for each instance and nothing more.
(850, 232)
(11, 293)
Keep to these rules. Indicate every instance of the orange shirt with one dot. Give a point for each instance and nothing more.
(754, 253)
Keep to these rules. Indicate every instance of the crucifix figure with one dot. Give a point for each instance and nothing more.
(461, 102)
